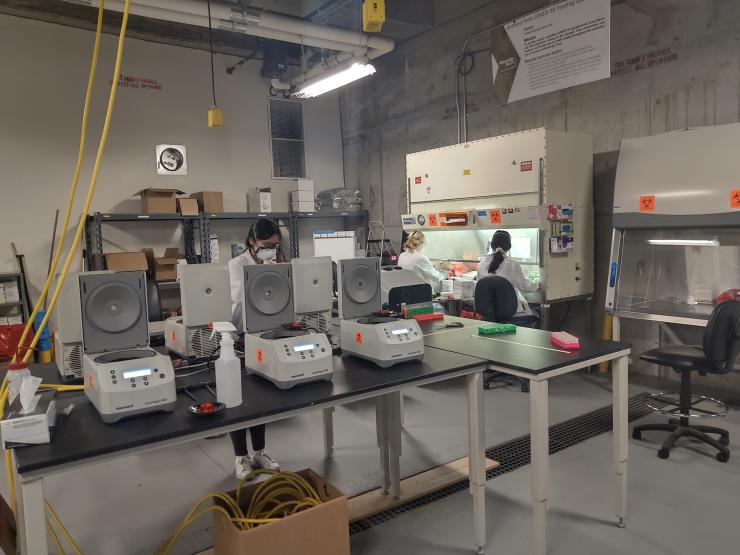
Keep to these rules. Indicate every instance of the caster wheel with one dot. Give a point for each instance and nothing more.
(636, 434)
(663, 453)
(724, 441)
(723, 457)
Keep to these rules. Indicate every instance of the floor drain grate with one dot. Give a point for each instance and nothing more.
(514, 454)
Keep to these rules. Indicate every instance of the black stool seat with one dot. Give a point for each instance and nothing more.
(681, 357)
(496, 301)
(717, 355)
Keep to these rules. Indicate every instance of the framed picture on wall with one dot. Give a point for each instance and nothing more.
(171, 160)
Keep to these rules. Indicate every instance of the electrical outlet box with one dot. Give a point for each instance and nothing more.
(373, 15)
(215, 117)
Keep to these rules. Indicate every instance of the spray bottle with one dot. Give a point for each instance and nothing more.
(228, 367)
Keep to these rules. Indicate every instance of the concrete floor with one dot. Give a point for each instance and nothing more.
(129, 506)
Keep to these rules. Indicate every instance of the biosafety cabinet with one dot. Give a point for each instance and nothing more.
(537, 184)
(676, 241)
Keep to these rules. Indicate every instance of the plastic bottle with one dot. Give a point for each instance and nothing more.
(228, 368)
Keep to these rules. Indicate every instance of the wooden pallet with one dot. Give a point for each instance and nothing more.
(413, 487)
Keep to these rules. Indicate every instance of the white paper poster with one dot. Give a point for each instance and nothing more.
(560, 46)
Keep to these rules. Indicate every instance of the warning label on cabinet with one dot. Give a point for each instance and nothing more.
(559, 46)
(647, 203)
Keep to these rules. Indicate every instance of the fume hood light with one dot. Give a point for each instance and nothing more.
(685, 242)
(321, 85)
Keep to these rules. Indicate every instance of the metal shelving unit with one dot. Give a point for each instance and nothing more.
(284, 218)
(348, 216)
(20, 304)
(291, 220)
(94, 232)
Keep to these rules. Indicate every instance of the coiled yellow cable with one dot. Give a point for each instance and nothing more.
(75, 178)
(287, 491)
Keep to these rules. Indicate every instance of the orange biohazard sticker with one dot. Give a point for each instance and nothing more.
(647, 203)
(358, 338)
(90, 381)
(735, 199)
(495, 216)
(432, 219)
(173, 336)
(260, 356)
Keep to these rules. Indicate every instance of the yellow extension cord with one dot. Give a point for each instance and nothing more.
(75, 179)
(283, 494)
(72, 249)
(91, 188)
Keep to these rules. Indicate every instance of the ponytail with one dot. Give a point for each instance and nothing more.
(496, 261)
(500, 243)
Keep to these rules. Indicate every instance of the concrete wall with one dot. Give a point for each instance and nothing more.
(409, 105)
(44, 71)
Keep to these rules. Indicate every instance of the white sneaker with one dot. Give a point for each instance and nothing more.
(243, 466)
(262, 460)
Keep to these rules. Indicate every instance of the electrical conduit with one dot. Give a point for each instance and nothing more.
(93, 181)
(75, 181)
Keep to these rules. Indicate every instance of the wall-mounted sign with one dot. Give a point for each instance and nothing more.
(171, 160)
(559, 46)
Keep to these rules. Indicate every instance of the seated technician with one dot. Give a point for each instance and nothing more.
(413, 259)
(500, 264)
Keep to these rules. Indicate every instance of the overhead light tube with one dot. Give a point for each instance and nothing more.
(685, 242)
(329, 82)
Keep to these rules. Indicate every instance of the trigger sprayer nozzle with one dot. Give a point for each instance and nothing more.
(221, 327)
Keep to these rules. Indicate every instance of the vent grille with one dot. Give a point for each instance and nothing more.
(202, 344)
(515, 453)
(72, 362)
(319, 321)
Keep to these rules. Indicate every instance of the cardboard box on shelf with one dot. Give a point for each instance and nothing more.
(187, 206)
(163, 268)
(209, 201)
(301, 196)
(126, 261)
(320, 530)
(303, 206)
(259, 200)
(159, 201)
(305, 185)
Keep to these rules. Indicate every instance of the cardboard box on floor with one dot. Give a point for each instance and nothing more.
(126, 261)
(163, 268)
(320, 530)
(159, 201)
(211, 202)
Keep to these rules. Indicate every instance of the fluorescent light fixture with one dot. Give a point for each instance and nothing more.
(325, 83)
(685, 242)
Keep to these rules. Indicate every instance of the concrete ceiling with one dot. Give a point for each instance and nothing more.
(405, 19)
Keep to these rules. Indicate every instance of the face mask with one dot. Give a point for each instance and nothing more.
(265, 255)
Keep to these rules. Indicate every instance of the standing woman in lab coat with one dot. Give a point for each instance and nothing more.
(263, 244)
(412, 259)
(500, 264)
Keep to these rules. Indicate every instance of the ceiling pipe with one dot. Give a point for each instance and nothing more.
(351, 44)
(263, 24)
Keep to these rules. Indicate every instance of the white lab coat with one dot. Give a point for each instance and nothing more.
(512, 271)
(236, 277)
(421, 266)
